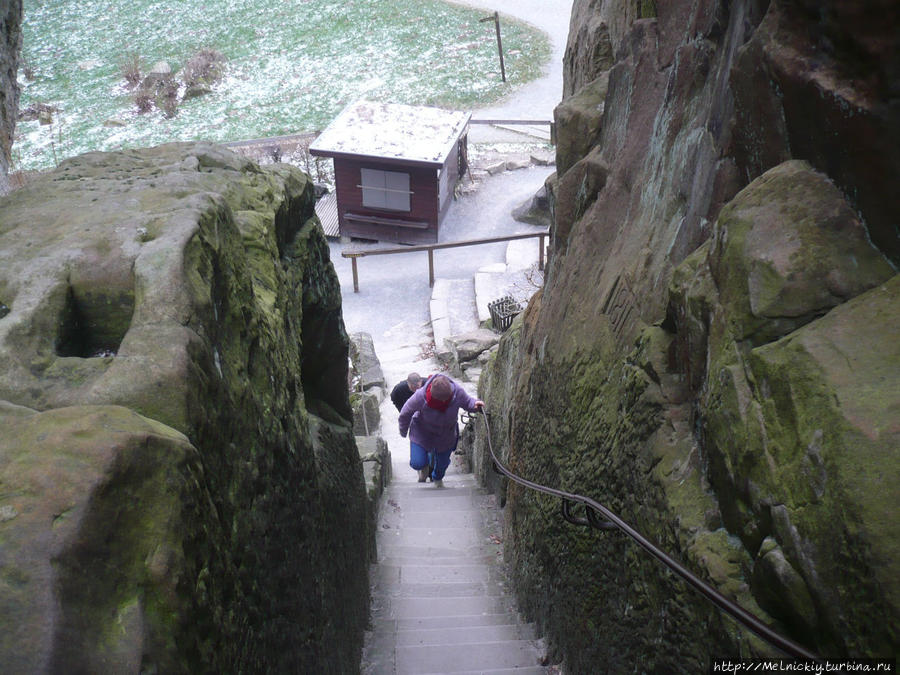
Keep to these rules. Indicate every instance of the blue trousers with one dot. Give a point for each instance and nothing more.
(419, 458)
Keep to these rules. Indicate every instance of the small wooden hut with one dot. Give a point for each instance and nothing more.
(395, 168)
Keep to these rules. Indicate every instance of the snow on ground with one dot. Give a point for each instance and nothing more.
(408, 51)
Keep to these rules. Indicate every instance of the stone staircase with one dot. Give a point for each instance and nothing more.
(439, 596)
(461, 305)
(440, 602)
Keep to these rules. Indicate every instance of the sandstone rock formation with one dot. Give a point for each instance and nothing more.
(180, 490)
(10, 47)
(714, 354)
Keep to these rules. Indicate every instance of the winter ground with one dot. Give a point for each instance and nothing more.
(290, 67)
(393, 300)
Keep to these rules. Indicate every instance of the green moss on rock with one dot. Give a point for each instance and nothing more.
(235, 341)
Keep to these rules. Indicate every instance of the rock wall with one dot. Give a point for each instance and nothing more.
(10, 48)
(714, 353)
(180, 490)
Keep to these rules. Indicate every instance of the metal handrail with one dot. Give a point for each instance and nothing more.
(354, 254)
(592, 508)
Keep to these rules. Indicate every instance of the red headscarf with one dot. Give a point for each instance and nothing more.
(436, 403)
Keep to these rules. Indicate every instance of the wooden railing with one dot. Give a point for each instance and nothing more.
(354, 255)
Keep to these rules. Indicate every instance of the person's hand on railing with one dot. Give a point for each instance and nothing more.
(479, 406)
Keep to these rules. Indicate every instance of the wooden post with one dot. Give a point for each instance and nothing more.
(499, 45)
(355, 275)
(541, 253)
(431, 268)
(496, 18)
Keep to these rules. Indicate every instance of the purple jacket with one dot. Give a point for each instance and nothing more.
(432, 429)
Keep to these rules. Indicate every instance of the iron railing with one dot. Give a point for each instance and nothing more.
(613, 522)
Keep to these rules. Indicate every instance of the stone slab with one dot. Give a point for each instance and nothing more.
(450, 658)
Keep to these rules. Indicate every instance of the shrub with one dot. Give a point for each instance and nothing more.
(157, 90)
(143, 99)
(36, 111)
(131, 67)
(27, 70)
(167, 96)
(206, 67)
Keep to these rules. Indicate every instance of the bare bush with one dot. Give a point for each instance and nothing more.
(27, 70)
(167, 96)
(131, 66)
(37, 111)
(143, 99)
(204, 68)
(157, 90)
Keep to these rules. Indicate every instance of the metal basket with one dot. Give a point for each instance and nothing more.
(503, 311)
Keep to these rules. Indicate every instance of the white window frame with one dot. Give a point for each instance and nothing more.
(387, 190)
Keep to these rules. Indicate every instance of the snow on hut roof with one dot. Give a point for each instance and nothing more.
(392, 131)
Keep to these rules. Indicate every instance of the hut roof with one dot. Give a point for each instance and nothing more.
(394, 132)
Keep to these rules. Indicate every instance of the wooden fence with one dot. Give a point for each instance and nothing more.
(354, 255)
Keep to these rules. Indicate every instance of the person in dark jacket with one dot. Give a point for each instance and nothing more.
(430, 417)
(400, 394)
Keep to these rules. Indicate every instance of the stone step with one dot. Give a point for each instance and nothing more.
(395, 549)
(449, 658)
(452, 309)
(440, 600)
(390, 558)
(430, 645)
(431, 573)
(525, 670)
(456, 589)
(523, 254)
(388, 625)
(436, 607)
(464, 635)
(490, 284)
(423, 491)
(518, 277)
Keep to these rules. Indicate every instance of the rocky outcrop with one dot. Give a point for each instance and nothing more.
(177, 451)
(822, 83)
(10, 48)
(367, 385)
(793, 312)
(713, 355)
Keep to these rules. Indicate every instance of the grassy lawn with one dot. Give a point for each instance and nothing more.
(292, 65)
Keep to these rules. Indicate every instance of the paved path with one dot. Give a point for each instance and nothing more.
(540, 97)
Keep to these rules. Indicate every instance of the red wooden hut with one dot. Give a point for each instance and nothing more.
(395, 168)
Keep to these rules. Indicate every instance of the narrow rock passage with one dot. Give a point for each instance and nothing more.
(440, 603)
(439, 594)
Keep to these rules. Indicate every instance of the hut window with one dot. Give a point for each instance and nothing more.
(385, 189)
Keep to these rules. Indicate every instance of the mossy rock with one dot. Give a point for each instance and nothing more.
(787, 249)
(810, 426)
(103, 508)
(578, 120)
(214, 277)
